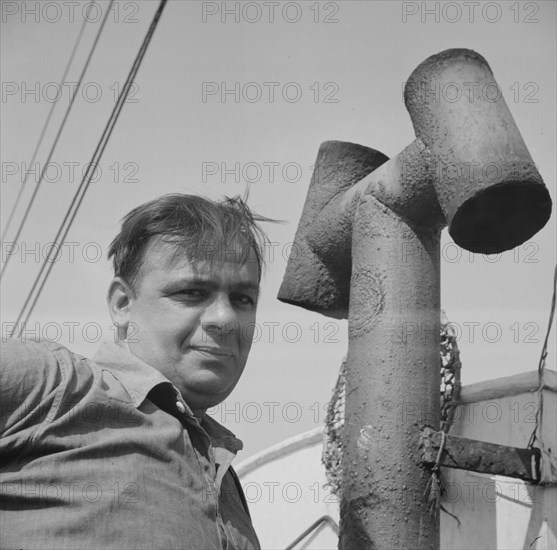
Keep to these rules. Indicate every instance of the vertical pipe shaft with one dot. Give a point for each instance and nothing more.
(392, 382)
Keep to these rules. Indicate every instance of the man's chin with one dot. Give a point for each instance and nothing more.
(206, 395)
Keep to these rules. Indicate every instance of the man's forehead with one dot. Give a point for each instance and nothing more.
(160, 254)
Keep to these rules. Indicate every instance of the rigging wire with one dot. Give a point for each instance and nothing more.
(57, 138)
(541, 366)
(45, 125)
(84, 185)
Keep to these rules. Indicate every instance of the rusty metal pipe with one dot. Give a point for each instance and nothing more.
(488, 186)
(318, 274)
(367, 247)
(392, 391)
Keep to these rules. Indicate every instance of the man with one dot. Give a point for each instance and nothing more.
(118, 451)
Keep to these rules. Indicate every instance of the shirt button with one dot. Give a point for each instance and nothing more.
(180, 407)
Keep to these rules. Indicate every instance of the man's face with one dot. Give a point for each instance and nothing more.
(194, 320)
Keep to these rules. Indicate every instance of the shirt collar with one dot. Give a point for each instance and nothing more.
(221, 436)
(139, 378)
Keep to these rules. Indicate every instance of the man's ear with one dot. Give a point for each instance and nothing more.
(119, 299)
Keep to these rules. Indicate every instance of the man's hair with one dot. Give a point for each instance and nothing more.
(203, 229)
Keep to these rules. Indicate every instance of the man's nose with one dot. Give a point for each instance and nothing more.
(220, 317)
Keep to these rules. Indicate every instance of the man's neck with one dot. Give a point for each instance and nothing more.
(198, 413)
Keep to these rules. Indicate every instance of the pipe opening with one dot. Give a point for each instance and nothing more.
(501, 217)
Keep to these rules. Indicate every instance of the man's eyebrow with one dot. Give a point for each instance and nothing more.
(209, 283)
(249, 286)
(185, 281)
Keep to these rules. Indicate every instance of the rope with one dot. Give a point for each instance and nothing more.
(541, 368)
(45, 125)
(450, 373)
(436, 486)
(434, 483)
(84, 185)
(57, 138)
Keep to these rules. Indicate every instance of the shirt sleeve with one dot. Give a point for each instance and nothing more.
(30, 389)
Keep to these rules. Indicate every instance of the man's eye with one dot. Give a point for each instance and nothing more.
(244, 299)
(190, 293)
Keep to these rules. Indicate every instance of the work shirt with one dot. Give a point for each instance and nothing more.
(105, 453)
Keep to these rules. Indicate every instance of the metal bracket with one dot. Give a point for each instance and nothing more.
(479, 456)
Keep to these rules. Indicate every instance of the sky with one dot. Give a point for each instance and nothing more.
(233, 95)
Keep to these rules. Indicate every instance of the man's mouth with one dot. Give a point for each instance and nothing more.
(212, 350)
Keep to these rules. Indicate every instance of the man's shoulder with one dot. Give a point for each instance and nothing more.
(28, 346)
(42, 379)
(28, 354)
(32, 374)
(38, 366)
